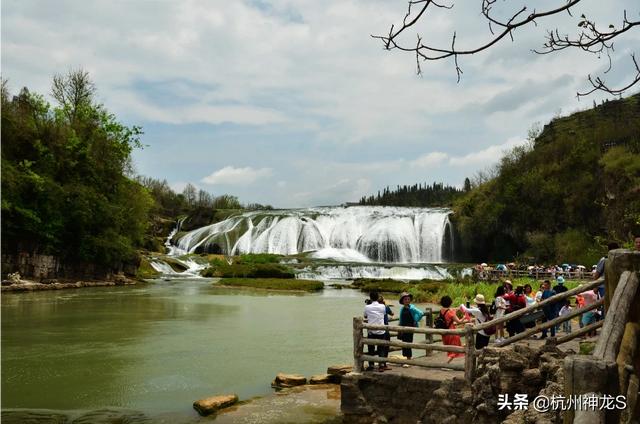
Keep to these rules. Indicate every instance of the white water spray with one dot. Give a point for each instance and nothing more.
(362, 233)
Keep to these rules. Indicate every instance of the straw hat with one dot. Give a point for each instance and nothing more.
(479, 299)
(403, 295)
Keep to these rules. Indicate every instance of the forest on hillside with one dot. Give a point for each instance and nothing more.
(562, 197)
(68, 185)
(436, 194)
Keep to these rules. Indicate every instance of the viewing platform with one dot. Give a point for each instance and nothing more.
(467, 389)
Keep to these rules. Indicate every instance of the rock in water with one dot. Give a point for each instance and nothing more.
(337, 371)
(283, 381)
(212, 404)
(321, 379)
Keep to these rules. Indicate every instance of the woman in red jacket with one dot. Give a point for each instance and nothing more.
(516, 301)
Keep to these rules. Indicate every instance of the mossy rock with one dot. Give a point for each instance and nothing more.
(145, 270)
(176, 265)
(586, 348)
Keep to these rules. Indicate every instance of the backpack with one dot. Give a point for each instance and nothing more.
(440, 322)
(490, 331)
(493, 308)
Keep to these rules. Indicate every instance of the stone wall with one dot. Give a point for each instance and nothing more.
(371, 397)
(45, 267)
(517, 369)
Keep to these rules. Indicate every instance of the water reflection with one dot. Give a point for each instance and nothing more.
(158, 347)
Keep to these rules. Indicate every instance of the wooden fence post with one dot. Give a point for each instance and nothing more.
(428, 320)
(469, 356)
(358, 363)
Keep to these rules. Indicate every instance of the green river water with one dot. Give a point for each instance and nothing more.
(157, 347)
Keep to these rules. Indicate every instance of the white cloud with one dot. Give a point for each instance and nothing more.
(429, 160)
(237, 176)
(305, 78)
(487, 156)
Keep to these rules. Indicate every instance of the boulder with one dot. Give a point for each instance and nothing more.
(321, 379)
(339, 369)
(212, 404)
(283, 381)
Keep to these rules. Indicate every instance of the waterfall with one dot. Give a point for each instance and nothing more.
(353, 234)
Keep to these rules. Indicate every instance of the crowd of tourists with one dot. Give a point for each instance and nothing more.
(507, 300)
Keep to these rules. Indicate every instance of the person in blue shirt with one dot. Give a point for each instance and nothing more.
(410, 316)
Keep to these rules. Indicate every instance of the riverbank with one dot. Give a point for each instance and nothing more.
(22, 285)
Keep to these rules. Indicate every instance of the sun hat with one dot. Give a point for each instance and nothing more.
(479, 299)
(560, 280)
(403, 295)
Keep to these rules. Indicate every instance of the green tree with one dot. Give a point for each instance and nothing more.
(66, 189)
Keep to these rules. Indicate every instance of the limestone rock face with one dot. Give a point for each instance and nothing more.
(212, 404)
(283, 381)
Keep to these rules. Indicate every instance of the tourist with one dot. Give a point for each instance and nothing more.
(550, 310)
(590, 297)
(516, 301)
(599, 271)
(636, 243)
(579, 305)
(451, 319)
(559, 288)
(501, 307)
(387, 336)
(565, 310)
(374, 314)
(410, 316)
(528, 295)
(481, 314)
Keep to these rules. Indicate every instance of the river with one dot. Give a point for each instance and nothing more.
(157, 347)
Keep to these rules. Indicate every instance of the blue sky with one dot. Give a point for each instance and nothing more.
(292, 103)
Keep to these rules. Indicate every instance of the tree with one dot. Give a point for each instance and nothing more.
(592, 37)
(189, 193)
(65, 188)
(73, 92)
(467, 184)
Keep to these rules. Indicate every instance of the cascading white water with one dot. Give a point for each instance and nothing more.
(356, 234)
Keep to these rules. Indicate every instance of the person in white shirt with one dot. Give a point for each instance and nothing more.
(566, 309)
(501, 307)
(374, 313)
(481, 313)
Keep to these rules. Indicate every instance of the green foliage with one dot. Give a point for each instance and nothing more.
(436, 194)
(274, 284)
(429, 291)
(556, 197)
(65, 189)
(622, 185)
(258, 258)
(250, 269)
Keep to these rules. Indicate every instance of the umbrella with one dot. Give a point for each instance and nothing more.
(581, 266)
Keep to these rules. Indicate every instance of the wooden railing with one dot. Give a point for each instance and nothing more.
(468, 333)
(494, 274)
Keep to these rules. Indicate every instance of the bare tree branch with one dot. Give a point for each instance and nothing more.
(591, 39)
